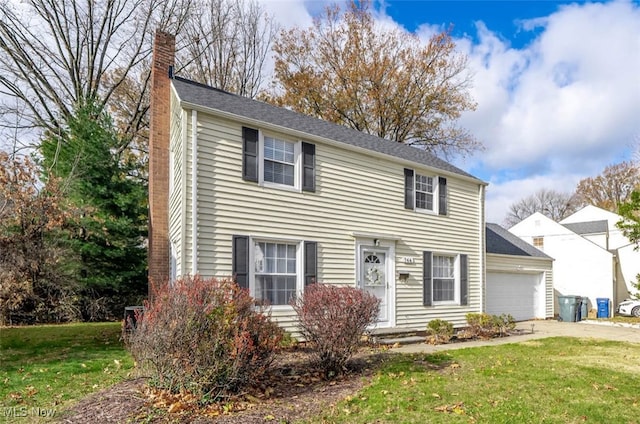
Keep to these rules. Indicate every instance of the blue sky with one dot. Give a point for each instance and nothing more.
(557, 84)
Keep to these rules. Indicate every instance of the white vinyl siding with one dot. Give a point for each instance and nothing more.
(355, 193)
(176, 184)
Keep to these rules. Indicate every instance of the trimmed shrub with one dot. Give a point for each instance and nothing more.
(485, 325)
(504, 323)
(204, 336)
(333, 319)
(439, 331)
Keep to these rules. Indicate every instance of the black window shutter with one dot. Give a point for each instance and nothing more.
(240, 260)
(408, 189)
(310, 262)
(249, 154)
(464, 280)
(308, 167)
(427, 279)
(442, 195)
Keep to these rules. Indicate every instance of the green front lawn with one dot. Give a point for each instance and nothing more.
(557, 380)
(51, 366)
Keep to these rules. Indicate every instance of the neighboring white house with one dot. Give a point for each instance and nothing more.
(613, 239)
(279, 200)
(519, 277)
(582, 266)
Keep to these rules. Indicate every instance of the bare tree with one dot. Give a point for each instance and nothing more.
(55, 54)
(348, 70)
(550, 203)
(226, 44)
(611, 188)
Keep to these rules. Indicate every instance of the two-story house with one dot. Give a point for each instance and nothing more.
(279, 200)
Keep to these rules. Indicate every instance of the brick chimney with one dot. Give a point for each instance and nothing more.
(163, 59)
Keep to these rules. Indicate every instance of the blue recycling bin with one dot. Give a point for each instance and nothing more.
(603, 307)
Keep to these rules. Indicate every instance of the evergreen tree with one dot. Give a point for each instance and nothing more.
(108, 222)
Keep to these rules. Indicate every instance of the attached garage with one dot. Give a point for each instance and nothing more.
(519, 277)
(520, 295)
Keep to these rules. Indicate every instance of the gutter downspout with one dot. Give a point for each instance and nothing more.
(194, 192)
(483, 260)
(183, 182)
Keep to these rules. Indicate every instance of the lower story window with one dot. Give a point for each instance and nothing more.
(444, 281)
(275, 272)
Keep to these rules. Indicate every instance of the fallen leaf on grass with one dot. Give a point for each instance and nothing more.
(457, 408)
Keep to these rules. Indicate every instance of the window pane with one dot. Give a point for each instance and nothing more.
(280, 173)
(279, 150)
(291, 265)
(443, 290)
(275, 289)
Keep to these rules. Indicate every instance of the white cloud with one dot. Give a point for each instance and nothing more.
(559, 109)
(288, 13)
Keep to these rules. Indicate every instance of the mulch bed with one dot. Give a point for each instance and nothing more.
(292, 390)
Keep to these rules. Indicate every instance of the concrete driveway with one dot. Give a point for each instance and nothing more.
(541, 330)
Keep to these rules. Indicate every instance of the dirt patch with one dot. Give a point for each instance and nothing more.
(293, 390)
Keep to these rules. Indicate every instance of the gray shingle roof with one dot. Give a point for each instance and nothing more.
(589, 227)
(209, 97)
(501, 241)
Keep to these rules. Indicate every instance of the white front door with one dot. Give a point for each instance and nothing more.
(373, 277)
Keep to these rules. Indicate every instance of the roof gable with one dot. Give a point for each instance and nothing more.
(242, 107)
(502, 242)
(593, 213)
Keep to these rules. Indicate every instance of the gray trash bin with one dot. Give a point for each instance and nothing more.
(568, 308)
(584, 308)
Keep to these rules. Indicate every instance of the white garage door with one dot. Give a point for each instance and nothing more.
(517, 294)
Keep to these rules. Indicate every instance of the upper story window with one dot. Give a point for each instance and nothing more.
(425, 192)
(268, 160)
(279, 161)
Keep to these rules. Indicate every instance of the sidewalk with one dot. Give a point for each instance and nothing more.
(541, 329)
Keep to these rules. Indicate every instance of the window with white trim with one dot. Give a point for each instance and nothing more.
(276, 273)
(279, 165)
(425, 193)
(276, 162)
(444, 278)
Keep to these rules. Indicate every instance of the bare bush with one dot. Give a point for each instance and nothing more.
(333, 319)
(204, 336)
